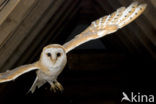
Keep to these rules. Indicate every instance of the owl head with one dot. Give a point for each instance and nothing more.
(53, 56)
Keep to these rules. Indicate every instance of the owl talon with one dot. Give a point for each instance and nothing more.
(53, 88)
(59, 86)
(56, 86)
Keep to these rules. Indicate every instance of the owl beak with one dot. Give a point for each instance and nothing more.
(53, 60)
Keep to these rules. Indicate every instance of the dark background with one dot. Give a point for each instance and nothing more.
(98, 71)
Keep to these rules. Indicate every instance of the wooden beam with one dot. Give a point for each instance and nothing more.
(6, 7)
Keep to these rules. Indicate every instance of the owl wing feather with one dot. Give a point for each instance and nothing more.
(107, 24)
(13, 74)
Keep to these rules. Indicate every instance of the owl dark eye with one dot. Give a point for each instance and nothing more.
(58, 54)
(49, 54)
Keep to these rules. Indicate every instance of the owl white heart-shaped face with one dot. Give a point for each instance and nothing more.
(53, 56)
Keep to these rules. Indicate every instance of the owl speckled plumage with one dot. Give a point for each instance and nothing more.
(53, 57)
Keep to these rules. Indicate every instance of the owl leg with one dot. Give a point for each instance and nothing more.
(59, 86)
(55, 85)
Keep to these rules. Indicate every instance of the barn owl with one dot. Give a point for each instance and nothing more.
(53, 57)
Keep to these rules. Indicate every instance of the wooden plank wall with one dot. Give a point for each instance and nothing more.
(8, 28)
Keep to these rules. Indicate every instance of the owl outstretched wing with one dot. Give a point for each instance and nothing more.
(107, 24)
(13, 74)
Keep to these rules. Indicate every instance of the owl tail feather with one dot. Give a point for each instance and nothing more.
(37, 83)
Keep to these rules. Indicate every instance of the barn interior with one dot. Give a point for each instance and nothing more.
(98, 71)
